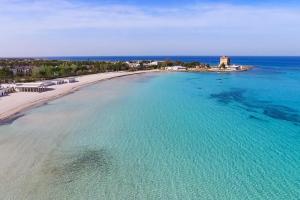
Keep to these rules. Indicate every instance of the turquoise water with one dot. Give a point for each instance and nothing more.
(167, 136)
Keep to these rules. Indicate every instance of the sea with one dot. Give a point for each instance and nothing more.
(163, 135)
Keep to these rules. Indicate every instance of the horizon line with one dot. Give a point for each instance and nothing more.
(73, 56)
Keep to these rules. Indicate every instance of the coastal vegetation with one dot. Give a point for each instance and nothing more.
(27, 69)
(6, 74)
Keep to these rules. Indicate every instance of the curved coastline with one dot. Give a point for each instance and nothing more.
(13, 105)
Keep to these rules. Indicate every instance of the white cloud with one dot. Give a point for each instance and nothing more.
(31, 20)
(54, 14)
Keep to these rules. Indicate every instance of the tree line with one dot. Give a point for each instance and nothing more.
(51, 69)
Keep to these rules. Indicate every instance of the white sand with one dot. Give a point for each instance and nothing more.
(17, 102)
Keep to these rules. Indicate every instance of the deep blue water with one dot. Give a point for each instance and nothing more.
(165, 136)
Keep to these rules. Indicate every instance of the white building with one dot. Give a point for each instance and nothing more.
(2, 92)
(176, 68)
(58, 81)
(31, 87)
(6, 89)
(70, 80)
(151, 64)
(48, 83)
(133, 64)
(21, 70)
(154, 63)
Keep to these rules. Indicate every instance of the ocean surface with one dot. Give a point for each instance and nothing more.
(210, 136)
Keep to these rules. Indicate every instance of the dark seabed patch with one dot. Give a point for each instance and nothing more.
(71, 167)
(249, 109)
(253, 117)
(256, 118)
(282, 113)
(236, 95)
(144, 78)
(191, 79)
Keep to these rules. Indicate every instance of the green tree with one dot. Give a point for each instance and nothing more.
(6, 74)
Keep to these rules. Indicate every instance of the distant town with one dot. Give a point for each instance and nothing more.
(35, 75)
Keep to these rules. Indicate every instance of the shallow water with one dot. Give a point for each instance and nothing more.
(162, 136)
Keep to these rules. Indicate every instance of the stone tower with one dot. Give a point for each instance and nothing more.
(225, 60)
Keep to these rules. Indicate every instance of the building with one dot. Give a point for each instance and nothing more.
(151, 64)
(6, 89)
(70, 80)
(133, 64)
(240, 68)
(225, 61)
(176, 68)
(2, 92)
(58, 81)
(22, 70)
(31, 87)
(48, 83)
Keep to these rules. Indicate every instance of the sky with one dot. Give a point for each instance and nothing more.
(31, 28)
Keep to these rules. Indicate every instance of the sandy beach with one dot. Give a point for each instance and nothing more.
(24, 153)
(15, 103)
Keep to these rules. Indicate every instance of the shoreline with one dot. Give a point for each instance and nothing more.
(13, 105)
(217, 70)
(213, 69)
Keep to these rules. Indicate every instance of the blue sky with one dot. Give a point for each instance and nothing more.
(141, 27)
